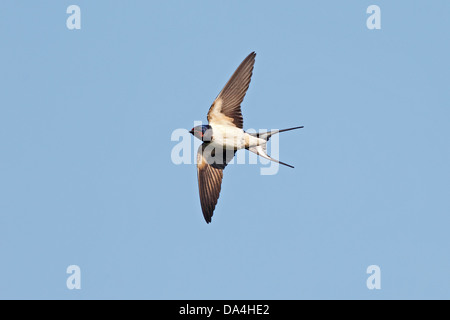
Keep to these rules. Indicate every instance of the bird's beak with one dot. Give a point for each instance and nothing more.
(192, 131)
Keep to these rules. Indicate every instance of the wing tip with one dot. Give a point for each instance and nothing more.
(208, 217)
(251, 56)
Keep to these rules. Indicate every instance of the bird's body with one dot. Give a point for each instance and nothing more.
(233, 138)
(228, 137)
(224, 135)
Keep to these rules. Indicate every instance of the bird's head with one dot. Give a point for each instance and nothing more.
(203, 132)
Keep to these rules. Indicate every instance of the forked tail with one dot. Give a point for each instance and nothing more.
(266, 135)
(261, 149)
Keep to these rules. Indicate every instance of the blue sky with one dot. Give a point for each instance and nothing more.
(86, 176)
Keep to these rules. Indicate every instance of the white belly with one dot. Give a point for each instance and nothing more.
(234, 138)
(228, 137)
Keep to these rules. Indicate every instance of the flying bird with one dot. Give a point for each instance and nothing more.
(224, 135)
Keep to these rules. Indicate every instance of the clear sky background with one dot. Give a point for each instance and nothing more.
(86, 176)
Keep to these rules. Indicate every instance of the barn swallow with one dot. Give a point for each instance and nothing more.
(224, 135)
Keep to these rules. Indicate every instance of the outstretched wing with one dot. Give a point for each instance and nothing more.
(226, 109)
(210, 165)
